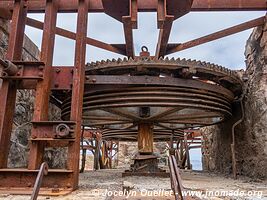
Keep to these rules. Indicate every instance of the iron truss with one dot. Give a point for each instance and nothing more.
(54, 83)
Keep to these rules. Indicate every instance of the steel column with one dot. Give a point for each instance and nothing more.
(78, 88)
(43, 86)
(9, 88)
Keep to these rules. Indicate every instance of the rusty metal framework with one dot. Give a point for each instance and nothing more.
(52, 83)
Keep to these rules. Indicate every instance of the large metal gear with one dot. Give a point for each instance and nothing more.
(171, 94)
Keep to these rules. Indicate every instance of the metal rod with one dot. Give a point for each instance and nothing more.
(233, 138)
(43, 171)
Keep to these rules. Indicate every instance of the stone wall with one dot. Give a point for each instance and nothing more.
(127, 150)
(18, 156)
(251, 134)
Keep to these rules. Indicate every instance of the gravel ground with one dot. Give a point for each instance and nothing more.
(94, 185)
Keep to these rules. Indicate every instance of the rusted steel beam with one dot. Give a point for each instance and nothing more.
(78, 89)
(24, 178)
(217, 35)
(116, 8)
(62, 78)
(43, 87)
(5, 14)
(24, 70)
(130, 22)
(168, 11)
(128, 34)
(35, 6)
(68, 34)
(8, 89)
(176, 183)
(49, 130)
(178, 8)
(187, 151)
(226, 5)
(165, 25)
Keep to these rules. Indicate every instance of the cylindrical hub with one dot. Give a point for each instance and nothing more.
(145, 138)
(9, 69)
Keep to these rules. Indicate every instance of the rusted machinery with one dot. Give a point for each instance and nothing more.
(146, 99)
(144, 87)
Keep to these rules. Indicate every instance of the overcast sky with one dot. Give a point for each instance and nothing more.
(228, 51)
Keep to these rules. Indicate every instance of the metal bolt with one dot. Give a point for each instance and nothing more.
(58, 70)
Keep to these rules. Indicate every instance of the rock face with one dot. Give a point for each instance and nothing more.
(251, 134)
(18, 155)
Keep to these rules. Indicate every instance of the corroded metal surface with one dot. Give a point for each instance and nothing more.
(171, 95)
(178, 94)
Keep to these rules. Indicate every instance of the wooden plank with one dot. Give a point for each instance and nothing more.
(145, 138)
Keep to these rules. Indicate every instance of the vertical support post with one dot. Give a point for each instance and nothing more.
(78, 89)
(117, 153)
(171, 150)
(145, 138)
(96, 155)
(83, 152)
(43, 86)
(8, 89)
(103, 153)
(187, 152)
(110, 154)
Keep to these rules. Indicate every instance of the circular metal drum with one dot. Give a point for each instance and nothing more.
(171, 95)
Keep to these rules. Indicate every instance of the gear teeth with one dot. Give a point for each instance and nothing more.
(213, 66)
(195, 64)
(148, 59)
(199, 62)
(183, 61)
(155, 58)
(194, 61)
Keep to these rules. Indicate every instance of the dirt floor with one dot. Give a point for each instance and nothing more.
(106, 185)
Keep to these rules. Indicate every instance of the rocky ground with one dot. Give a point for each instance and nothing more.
(94, 185)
